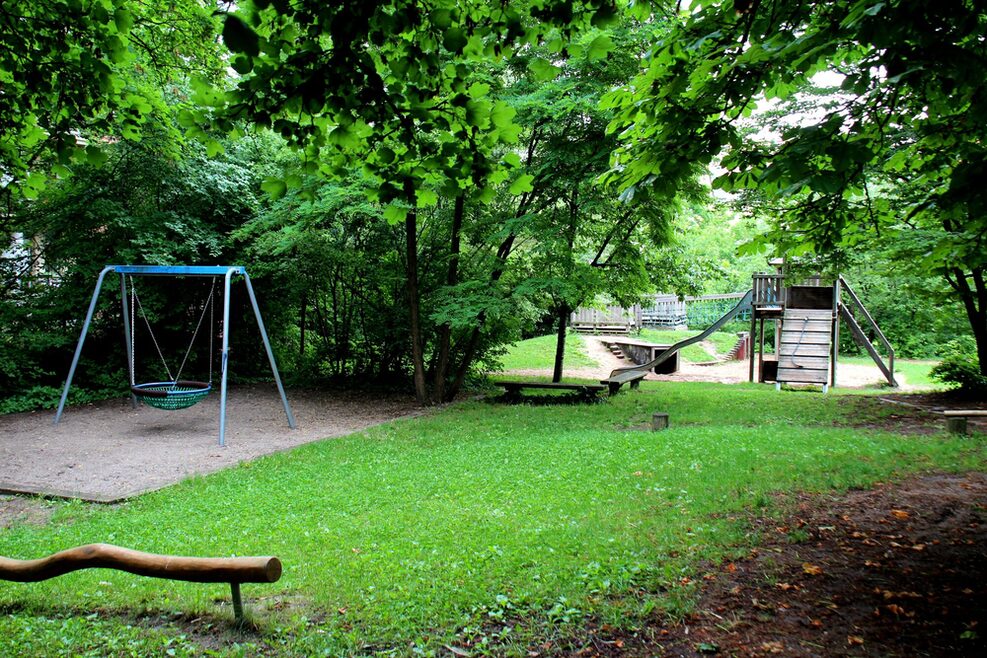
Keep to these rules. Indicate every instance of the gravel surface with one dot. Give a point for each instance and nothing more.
(109, 451)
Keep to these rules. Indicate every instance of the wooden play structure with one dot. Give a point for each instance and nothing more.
(232, 570)
(806, 321)
(806, 331)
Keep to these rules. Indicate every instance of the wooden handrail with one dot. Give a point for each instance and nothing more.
(860, 307)
(855, 328)
(232, 570)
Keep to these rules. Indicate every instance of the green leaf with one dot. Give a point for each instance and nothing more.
(454, 39)
(395, 214)
(543, 70)
(96, 156)
(502, 114)
(426, 198)
(213, 148)
(243, 64)
(441, 18)
(123, 19)
(522, 184)
(275, 187)
(239, 37)
(600, 47)
(478, 89)
(478, 113)
(512, 159)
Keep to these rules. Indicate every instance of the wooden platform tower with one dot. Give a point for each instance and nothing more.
(806, 321)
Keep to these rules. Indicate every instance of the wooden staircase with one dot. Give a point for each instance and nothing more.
(805, 346)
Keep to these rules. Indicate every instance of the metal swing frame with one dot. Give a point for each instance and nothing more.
(227, 272)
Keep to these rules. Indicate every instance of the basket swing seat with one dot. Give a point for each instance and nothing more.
(175, 393)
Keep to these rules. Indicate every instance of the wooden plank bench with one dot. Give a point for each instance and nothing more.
(632, 377)
(956, 418)
(586, 391)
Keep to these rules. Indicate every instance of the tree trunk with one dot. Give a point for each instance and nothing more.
(975, 303)
(414, 310)
(301, 326)
(452, 278)
(560, 342)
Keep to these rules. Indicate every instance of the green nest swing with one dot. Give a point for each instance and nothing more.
(176, 393)
(171, 395)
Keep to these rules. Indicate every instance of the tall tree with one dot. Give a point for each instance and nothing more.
(391, 87)
(905, 151)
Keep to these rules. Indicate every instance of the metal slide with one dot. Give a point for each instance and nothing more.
(743, 305)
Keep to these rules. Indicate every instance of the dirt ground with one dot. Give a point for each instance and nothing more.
(109, 451)
(895, 571)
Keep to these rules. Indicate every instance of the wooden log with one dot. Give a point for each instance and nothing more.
(107, 556)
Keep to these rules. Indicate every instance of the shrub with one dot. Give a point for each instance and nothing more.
(959, 367)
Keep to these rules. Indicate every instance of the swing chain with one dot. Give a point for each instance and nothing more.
(137, 299)
(207, 305)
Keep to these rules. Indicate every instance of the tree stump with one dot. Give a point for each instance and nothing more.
(659, 421)
(956, 424)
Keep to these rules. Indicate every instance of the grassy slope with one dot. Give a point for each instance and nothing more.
(539, 353)
(724, 342)
(437, 529)
(915, 371)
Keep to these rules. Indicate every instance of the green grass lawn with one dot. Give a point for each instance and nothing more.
(485, 526)
(915, 371)
(539, 353)
(723, 341)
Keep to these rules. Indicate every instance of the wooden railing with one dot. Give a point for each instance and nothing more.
(769, 290)
(850, 316)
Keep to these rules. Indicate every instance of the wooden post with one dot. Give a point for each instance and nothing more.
(836, 330)
(659, 421)
(760, 350)
(956, 424)
(750, 342)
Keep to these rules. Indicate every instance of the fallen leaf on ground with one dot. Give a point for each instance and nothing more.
(811, 569)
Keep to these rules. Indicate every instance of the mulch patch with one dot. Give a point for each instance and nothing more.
(895, 571)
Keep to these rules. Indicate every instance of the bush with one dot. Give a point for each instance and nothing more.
(959, 367)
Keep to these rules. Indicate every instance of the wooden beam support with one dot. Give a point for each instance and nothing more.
(232, 570)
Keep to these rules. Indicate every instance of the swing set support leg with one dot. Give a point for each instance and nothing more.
(270, 353)
(82, 339)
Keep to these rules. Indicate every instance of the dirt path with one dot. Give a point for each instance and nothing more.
(109, 451)
(895, 571)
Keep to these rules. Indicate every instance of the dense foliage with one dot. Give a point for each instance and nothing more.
(896, 160)
(415, 184)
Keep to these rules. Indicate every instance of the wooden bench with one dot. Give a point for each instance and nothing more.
(586, 391)
(956, 419)
(632, 377)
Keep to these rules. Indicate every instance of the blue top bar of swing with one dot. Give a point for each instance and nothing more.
(177, 270)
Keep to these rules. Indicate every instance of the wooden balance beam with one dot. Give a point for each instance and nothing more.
(232, 570)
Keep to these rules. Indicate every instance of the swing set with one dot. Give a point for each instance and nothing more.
(176, 393)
